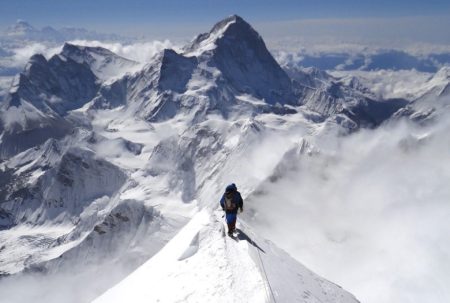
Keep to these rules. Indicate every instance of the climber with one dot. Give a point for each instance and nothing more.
(231, 201)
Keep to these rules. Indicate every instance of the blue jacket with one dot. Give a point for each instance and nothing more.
(235, 198)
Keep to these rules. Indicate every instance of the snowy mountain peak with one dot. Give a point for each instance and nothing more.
(79, 52)
(21, 27)
(58, 84)
(38, 59)
(39, 99)
(233, 28)
(443, 74)
(167, 55)
(74, 51)
(23, 30)
(241, 56)
(234, 21)
(104, 63)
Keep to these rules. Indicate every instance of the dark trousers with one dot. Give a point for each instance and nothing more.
(231, 226)
(231, 221)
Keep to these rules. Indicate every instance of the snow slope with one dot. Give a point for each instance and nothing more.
(201, 264)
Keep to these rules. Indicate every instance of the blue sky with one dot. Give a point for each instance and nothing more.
(180, 18)
(129, 12)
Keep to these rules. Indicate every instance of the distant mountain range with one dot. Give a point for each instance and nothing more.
(25, 31)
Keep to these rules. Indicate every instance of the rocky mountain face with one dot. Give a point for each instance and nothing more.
(103, 158)
(241, 56)
(103, 63)
(36, 106)
(41, 97)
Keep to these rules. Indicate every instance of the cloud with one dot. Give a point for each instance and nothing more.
(21, 55)
(16, 57)
(140, 51)
(80, 284)
(5, 84)
(369, 212)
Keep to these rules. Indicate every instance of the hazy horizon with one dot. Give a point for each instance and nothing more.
(383, 23)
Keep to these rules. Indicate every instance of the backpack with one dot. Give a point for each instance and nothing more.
(229, 203)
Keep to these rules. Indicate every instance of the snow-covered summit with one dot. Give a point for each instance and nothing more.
(20, 28)
(105, 64)
(243, 59)
(207, 41)
(23, 30)
(53, 86)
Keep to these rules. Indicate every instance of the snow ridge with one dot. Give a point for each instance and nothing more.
(207, 266)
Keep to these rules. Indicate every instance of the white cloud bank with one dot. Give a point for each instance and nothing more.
(63, 286)
(370, 213)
